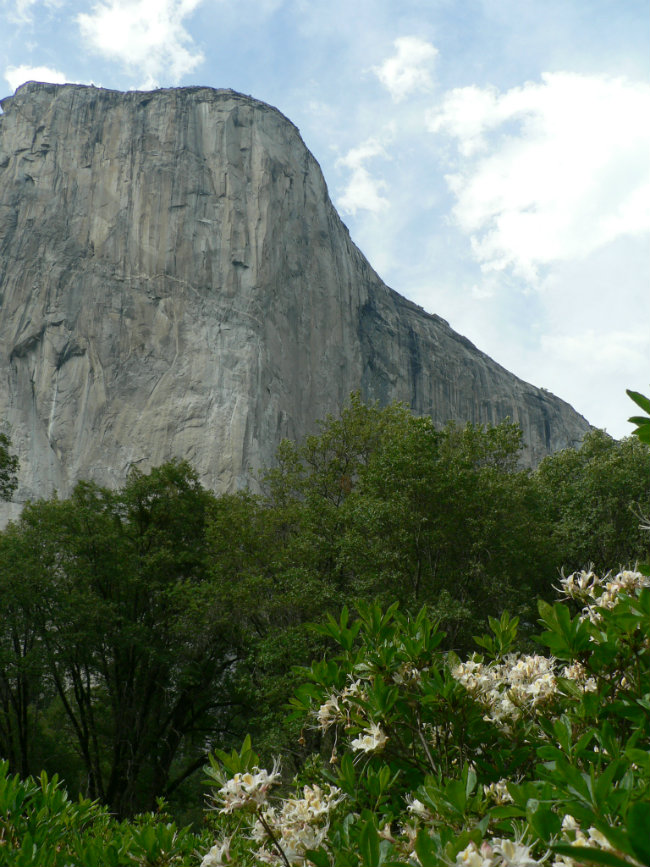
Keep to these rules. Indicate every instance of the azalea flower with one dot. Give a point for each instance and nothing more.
(417, 808)
(373, 739)
(218, 856)
(507, 688)
(300, 824)
(498, 792)
(329, 712)
(248, 790)
(601, 592)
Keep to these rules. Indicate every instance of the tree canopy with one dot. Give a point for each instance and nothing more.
(8, 469)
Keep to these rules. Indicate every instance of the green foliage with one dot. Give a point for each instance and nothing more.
(110, 621)
(382, 505)
(595, 499)
(40, 826)
(8, 469)
(642, 422)
(141, 626)
(502, 640)
(443, 760)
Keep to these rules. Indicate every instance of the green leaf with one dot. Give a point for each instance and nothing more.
(638, 826)
(347, 775)
(639, 399)
(544, 822)
(588, 855)
(426, 850)
(319, 857)
(369, 844)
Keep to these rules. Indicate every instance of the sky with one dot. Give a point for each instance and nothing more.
(491, 158)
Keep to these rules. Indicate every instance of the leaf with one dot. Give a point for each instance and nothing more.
(638, 823)
(319, 857)
(369, 845)
(639, 399)
(588, 855)
(544, 822)
(426, 850)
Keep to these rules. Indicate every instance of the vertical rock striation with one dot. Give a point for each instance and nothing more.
(175, 282)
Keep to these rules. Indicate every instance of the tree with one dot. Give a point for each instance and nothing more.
(128, 628)
(596, 497)
(24, 693)
(380, 504)
(8, 469)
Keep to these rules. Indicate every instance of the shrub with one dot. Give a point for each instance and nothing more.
(500, 759)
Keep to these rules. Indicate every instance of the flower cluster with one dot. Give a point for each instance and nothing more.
(407, 673)
(300, 824)
(592, 839)
(506, 689)
(372, 739)
(497, 853)
(578, 673)
(247, 791)
(498, 792)
(338, 706)
(218, 856)
(447, 769)
(601, 593)
(338, 709)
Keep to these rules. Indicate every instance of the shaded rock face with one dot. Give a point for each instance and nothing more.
(175, 282)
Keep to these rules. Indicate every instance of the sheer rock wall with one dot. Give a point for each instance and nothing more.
(175, 282)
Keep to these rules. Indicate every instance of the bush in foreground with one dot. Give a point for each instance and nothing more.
(500, 759)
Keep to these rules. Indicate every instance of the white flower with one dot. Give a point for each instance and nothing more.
(301, 824)
(578, 673)
(218, 856)
(471, 857)
(514, 853)
(498, 792)
(372, 739)
(329, 712)
(599, 593)
(354, 689)
(597, 837)
(507, 688)
(579, 584)
(569, 823)
(417, 808)
(247, 790)
(407, 673)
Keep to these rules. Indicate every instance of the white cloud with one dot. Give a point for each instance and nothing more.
(146, 36)
(21, 13)
(592, 368)
(363, 192)
(466, 114)
(17, 75)
(602, 351)
(548, 171)
(409, 69)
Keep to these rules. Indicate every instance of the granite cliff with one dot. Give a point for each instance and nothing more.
(174, 281)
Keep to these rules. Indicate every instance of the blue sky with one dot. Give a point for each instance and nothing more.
(491, 158)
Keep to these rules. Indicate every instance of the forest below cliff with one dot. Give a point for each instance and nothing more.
(145, 628)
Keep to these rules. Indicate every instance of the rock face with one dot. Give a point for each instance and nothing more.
(175, 282)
